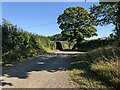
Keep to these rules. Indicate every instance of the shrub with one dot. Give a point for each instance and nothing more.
(18, 44)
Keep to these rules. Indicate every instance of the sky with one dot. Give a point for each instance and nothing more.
(41, 17)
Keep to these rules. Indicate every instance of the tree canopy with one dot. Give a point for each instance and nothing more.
(107, 13)
(76, 24)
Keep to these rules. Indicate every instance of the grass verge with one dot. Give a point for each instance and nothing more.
(97, 69)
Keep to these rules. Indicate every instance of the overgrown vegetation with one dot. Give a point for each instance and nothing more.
(89, 45)
(97, 69)
(56, 37)
(18, 44)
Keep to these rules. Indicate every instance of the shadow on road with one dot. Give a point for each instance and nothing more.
(50, 63)
(5, 83)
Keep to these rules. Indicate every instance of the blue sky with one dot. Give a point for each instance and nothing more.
(41, 17)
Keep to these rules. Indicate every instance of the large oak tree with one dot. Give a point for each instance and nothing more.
(76, 24)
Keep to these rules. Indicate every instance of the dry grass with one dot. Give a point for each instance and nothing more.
(97, 69)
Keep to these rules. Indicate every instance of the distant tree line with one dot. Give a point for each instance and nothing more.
(56, 37)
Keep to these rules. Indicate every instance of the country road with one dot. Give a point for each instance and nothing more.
(47, 71)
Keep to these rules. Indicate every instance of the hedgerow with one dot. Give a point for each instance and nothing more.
(18, 44)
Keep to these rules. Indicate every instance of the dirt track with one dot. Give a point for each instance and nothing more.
(48, 71)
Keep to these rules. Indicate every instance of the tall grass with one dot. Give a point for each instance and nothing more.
(97, 69)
